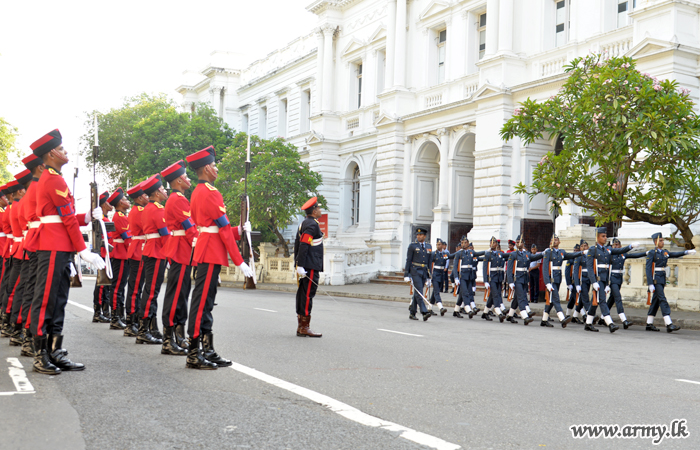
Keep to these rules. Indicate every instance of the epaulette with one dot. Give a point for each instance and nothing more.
(317, 221)
(52, 172)
(210, 187)
(139, 207)
(180, 194)
(121, 214)
(158, 205)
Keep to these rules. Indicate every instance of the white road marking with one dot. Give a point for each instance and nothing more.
(19, 378)
(268, 310)
(348, 411)
(400, 332)
(71, 302)
(688, 381)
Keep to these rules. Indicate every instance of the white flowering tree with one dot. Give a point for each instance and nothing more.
(630, 145)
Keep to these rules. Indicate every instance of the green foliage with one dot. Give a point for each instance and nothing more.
(278, 183)
(630, 144)
(8, 148)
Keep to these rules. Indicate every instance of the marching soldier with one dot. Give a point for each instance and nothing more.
(441, 261)
(120, 240)
(101, 294)
(494, 263)
(59, 237)
(656, 273)
(16, 294)
(465, 279)
(617, 268)
(553, 259)
(308, 259)
(581, 284)
(517, 274)
(216, 241)
(598, 264)
(534, 277)
(134, 254)
(9, 191)
(417, 272)
(475, 269)
(569, 278)
(178, 250)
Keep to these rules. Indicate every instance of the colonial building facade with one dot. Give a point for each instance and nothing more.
(398, 104)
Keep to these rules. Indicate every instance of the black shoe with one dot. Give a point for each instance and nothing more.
(155, 332)
(427, 315)
(144, 335)
(671, 328)
(5, 329)
(58, 355)
(472, 313)
(546, 324)
(576, 320)
(511, 319)
(462, 311)
(566, 321)
(116, 322)
(131, 329)
(42, 363)
(195, 358)
(651, 327)
(211, 355)
(501, 317)
(528, 321)
(601, 322)
(626, 324)
(457, 314)
(16, 337)
(443, 311)
(180, 336)
(28, 344)
(486, 317)
(613, 328)
(492, 314)
(476, 309)
(588, 327)
(412, 316)
(97, 316)
(170, 346)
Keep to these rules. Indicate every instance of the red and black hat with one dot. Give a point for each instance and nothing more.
(12, 187)
(135, 191)
(174, 171)
(116, 196)
(511, 242)
(23, 178)
(152, 184)
(2, 190)
(103, 198)
(48, 142)
(310, 204)
(202, 157)
(32, 161)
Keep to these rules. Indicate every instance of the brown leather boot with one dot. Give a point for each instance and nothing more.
(305, 331)
(299, 323)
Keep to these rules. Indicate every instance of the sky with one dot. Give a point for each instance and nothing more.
(60, 59)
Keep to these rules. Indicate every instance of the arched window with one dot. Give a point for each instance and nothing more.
(355, 201)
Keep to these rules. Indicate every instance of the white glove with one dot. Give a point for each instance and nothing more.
(244, 228)
(247, 272)
(690, 252)
(301, 271)
(607, 289)
(473, 288)
(512, 285)
(596, 286)
(549, 287)
(571, 287)
(651, 288)
(634, 244)
(97, 214)
(407, 279)
(456, 281)
(93, 259)
(585, 252)
(428, 283)
(578, 288)
(72, 270)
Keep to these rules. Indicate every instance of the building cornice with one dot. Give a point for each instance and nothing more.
(279, 70)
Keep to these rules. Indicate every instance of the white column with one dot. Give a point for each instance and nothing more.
(491, 27)
(215, 92)
(390, 46)
(368, 69)
(319, 73)
(328, 32)
(400, 56)
(407, 152)
(457, 44)
(444, 136)
(505, 27)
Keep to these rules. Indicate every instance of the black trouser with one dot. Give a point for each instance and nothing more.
(307, 291)
(604, 311)
(554, 299)
(10, 284)
(28, 274)
(658, 299)
(177, 291)
(154, 274)
(120, 272)
(6, 268)
(17, 295)
(100, 295)
(418, 275)
(201, 319)
(50, 292)
(616, 298)
(135, 286)
(534, 285)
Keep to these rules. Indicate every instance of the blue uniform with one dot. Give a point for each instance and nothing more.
(494, 275)
(617, 269)
(552, 266)
(659, 258)
(464, 266)
(598, 263)
(418, 259)
(581, 281)
(517, 273)
(441, 261)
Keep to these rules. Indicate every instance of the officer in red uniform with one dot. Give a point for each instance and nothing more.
(120, 239)
(135, 280)
(59, 237)
(308, 259)
(9, 191)
(101, 294)
(216, 241)
(178, 250)
(154, 263)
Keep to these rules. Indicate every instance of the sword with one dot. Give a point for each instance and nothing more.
(427, 303)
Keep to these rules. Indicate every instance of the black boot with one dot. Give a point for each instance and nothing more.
(501, 317)
(528, 321)
(209, 352)
(426, 315)
(472, 313)
(566, 321)
(545, 323)
(105, 310)
(58, 356)
(42, 363)
(486, 316)
(98, 317)
(116, 322)
(28, 344)
(132, 329)
(180, 336)
(195, 358)
(155, 332)
(457, 314)
(128, 327)
(144, 335)
(5, 328)
(651, 327)
(511, 319)
(443, 311)
(601, 321)
(613, 328)
(412, 316)
(626, 324)
(576, 320)
(170, 346)
(16, 336)
(672, 327)
(590, 327)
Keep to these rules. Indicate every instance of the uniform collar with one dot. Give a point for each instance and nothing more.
(54, 169)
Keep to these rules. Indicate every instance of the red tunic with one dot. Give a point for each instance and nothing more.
(7, 229)
(137, 237)
(155, 229)
(3, 239)
(17, 230)
(208, 209)
(120, 237)
(55, 205)
(178, 216)
(31, 240)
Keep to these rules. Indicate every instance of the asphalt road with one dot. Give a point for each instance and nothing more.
(458, 383)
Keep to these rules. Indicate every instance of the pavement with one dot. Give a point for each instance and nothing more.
(375, 380)
(373, 291)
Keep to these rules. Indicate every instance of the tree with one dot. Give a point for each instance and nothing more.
(279, 183)
(8, 148)
(147, 134)
(630, 145)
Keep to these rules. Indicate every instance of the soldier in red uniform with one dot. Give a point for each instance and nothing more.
(101, 294)
(9, 191)
(154, 263)
(216, 241)
(120, 239)
(3, 236)
(135, 280)
(178, 250)
(59, 237)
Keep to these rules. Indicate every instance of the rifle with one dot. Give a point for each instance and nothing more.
(247, 244)
(594, 301)
(549, 274)
(99, 230)
(459, 272)
(511, 292)
(649, 295)
(487, 284)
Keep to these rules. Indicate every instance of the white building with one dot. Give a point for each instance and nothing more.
(398, 104)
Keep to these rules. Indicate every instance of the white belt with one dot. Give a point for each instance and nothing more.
(179, 233)
(317, 242)
(139, 238)
(617, 271)
(50, 219)
(659, 269)
(212, 229)
(603, 266)
(3, 235)
(34, 224)
(118, 241)
(152, 236)
(556, 267)
(24, 233)
(466, 267)
(584, 270)
(9, 236)
(521, 269)
(19, 239)
(497, 269)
